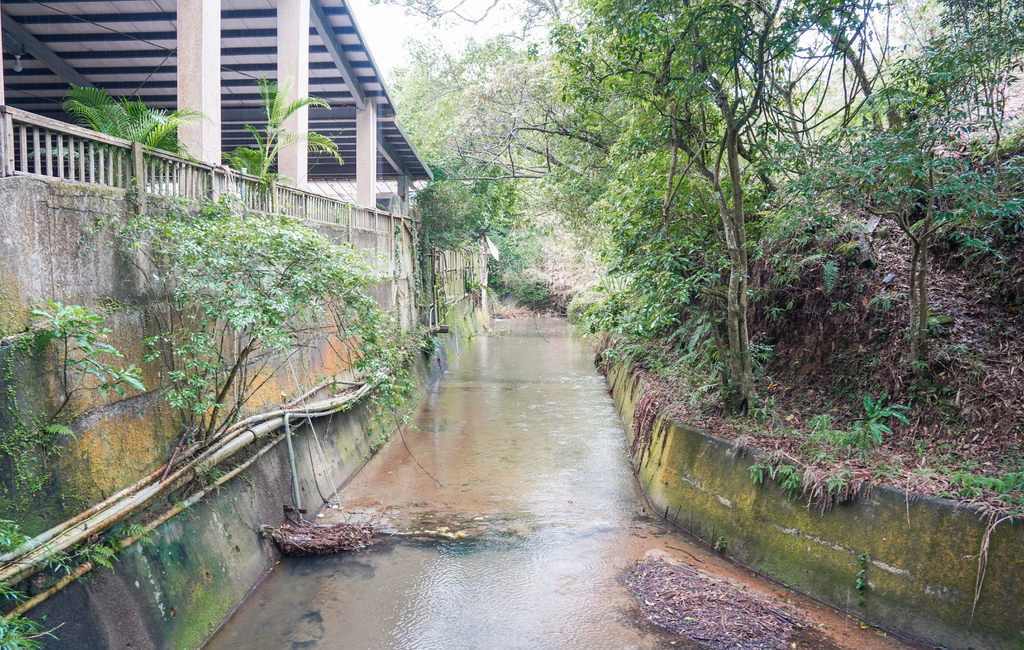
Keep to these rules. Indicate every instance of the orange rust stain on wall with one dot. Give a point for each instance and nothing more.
(117, 449)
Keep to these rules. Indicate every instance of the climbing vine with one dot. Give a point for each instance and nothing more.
(862, 578)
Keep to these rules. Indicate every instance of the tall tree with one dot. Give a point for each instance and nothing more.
(915, 172)
(710, 71)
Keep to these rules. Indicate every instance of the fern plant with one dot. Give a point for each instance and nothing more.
(867, 433)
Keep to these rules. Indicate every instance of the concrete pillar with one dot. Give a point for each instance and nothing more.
(6, 155)
(293, 63)
(3, 83)
(403, 195)
(366, 154)
(199, 76)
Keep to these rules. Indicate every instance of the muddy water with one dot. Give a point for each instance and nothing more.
(517, 454)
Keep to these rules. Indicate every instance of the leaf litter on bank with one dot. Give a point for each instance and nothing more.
(712, 612)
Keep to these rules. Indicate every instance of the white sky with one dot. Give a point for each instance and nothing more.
(386, 28)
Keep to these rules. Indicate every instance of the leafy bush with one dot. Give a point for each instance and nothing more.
(512, 274)
(866, 433)
(244, 290)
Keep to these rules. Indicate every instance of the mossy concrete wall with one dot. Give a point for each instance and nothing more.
(59, 241)
(174, 593)
(922, 553)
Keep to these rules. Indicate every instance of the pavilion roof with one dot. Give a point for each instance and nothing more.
(128, 48)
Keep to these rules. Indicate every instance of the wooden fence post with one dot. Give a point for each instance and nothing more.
(139, 174)
(7, 145)
(213, 189)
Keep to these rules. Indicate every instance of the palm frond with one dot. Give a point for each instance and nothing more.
(130, 119)
(272, 138)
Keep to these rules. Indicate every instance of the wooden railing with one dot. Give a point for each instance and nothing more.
(39, 146)
(43, 147)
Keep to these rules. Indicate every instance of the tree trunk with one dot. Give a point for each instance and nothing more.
(919, 298)
(666, 208)
(918, 289)
(913, 295)
(740, 368)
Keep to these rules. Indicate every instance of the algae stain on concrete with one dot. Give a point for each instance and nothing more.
(13, 311)
(921, 575)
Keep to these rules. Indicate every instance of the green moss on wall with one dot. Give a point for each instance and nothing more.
(920, 555)
(13, 313)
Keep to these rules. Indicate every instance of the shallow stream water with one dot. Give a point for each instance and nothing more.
(520, 455)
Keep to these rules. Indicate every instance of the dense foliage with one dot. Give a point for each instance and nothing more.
(793, 202)
(492, 124)
(245, 293)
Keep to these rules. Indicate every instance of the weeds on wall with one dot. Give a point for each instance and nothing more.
(86, 359)
(235, 297)
(862, 579)
(20, 633)
(85, 362)
(821, 489)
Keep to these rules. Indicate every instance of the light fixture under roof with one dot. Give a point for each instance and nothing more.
(17, 63)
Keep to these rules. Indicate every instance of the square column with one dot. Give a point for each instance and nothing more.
(293, 63)
(6, 155)
(3, 86)
(366, 154)
(403, 195)
(199, 77)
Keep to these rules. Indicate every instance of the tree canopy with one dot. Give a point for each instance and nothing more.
(773, 188)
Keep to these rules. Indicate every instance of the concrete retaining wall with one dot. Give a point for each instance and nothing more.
(58, 241)
(174, 593)
(922, 552)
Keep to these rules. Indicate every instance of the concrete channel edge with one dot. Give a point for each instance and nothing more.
(921, 552)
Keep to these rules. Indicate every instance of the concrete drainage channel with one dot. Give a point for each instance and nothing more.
(920, 556)
(206, 552)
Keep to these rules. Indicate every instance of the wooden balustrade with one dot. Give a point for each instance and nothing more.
(39, 146)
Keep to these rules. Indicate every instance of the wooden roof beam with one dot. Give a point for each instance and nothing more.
(45, 55)
(334, 48)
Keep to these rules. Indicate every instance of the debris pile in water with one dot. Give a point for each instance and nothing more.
(317, 539)
(710, 611)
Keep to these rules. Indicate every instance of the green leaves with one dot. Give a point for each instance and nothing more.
(864, 434)
(21, 634)
(68, 321)
(129, 119)
(84, 350)
(244, 292)
(274, 137)
(58, 430)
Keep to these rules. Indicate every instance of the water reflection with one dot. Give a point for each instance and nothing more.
(523, 438)
(521, 447)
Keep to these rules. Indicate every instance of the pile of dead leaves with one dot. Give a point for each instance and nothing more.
(316, 539)
(711, 612)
